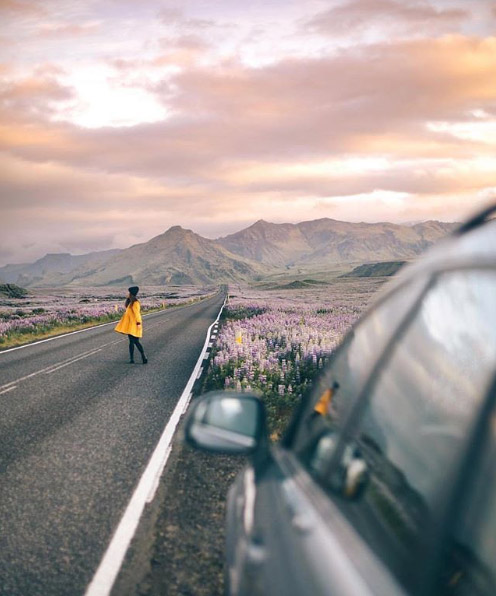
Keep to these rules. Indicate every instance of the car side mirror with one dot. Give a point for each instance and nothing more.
(227, 422)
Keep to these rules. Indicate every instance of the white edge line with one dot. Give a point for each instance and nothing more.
(42, 341)
(9, 389)
(110, 565)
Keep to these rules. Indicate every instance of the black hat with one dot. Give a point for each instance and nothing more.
(133, 290)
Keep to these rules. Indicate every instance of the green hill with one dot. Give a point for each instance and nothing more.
(12, 291)
(385, 269)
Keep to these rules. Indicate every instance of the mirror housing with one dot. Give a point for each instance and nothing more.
(227, 422)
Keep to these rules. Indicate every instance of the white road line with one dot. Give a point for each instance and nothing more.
(42, 341)
(9, 389)
(199, 373)
(110, 565)
(58, 364)
(184, 410)
(49, 372)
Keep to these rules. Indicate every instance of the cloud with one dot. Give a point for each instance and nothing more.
(407, 124)
(175, 17)
(70, 30)
(183, 51)
(34, 96)
(20, 7)
(296, 109)
(48, 207)
(404, 17)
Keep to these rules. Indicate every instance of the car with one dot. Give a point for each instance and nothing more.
(384, 483)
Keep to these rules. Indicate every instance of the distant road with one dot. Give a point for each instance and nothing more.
(77, 427)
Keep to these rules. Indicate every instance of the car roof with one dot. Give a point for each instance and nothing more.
(470, 246)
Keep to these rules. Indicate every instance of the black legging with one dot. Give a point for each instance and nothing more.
(134, 341)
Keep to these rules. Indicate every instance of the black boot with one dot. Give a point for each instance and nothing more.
(131, 353)
(142, 352)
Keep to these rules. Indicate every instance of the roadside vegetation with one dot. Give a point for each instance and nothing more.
(271, 341)
(30, 316)
(276, 344)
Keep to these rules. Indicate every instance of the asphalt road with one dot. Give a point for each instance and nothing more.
(76, 432)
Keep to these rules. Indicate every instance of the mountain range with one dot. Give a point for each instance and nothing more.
(180, 256)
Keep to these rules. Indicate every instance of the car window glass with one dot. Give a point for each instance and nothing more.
(418, 415)
(339, 386)
(470, 568)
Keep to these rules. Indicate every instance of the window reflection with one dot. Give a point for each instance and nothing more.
(470, 568)
(339, 386)
(420, 412)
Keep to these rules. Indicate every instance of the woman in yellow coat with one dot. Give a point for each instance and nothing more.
(130, 324)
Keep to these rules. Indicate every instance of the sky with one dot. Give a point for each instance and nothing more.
(122, 118)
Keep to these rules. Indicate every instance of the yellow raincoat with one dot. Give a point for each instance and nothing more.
(129, 321)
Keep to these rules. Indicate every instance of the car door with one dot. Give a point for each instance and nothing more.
(415, 408)
(468, 553)
(262, 556)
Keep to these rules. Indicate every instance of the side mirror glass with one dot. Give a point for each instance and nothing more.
(226, 422)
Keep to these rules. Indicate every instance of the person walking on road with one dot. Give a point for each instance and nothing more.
(130, 324)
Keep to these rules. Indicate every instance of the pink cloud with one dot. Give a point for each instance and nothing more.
(297, 109)
(184, 51)
(232, 129)
(416, 16)
(176, 17)
(377, 101)
(31, 97)
(71, 30)
(21, 7)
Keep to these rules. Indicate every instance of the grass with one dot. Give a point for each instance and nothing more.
(19, 339)
(275, 343)
(15, 340)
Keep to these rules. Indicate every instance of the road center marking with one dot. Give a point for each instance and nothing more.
(8, 389)
(57, 365)
(49, 372)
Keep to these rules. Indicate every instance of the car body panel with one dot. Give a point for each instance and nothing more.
(293, 524)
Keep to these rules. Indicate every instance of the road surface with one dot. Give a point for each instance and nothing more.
(78, 425)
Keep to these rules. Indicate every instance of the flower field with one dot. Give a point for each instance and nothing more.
(275, 342)
(46, 312)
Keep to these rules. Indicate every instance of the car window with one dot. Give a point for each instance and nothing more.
(418, 414)
(338, 387)
(470, 568)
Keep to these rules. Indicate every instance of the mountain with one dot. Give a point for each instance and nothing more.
(54, 268)
(326, 242)
(180, 256)
(275, 245)
(177, 256)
